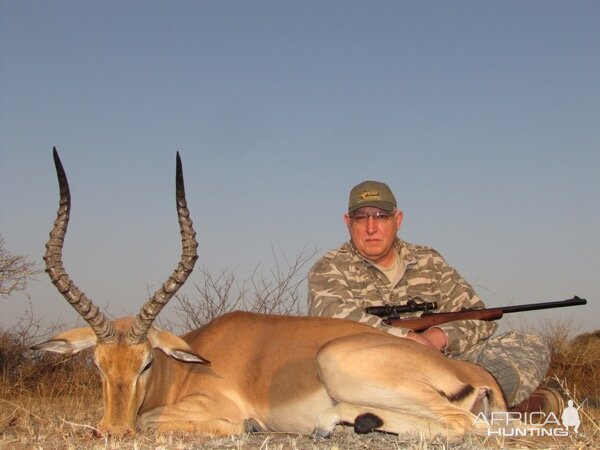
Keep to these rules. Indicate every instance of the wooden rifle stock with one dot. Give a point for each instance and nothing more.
(433, 319)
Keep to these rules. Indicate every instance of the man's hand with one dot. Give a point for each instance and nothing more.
(431, 337)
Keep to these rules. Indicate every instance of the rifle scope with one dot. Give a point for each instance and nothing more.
(392, 310)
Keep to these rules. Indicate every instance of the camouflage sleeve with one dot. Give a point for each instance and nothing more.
(456, 295)
(329, 295)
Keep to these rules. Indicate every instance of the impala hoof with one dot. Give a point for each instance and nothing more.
(321, 433)
(252, 426)
(367, 422)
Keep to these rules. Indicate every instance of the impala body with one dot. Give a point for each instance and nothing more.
(247, 372)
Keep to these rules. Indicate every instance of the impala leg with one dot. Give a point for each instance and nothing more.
(327, 421)
(367, 419)
(408, 387)
(195, 415)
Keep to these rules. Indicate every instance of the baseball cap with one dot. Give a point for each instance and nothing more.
(371, 193)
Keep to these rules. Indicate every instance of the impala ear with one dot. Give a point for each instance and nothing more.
(174, 346)
(185, 356)
(69, 342)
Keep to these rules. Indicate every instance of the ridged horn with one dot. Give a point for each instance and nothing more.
(55, 269)
(141, 324)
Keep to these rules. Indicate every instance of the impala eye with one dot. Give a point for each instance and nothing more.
(148, 365)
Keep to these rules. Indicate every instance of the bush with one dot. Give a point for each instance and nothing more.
(25, 371)
(575, 364)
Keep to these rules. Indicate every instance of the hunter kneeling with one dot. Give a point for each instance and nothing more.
(376, 268)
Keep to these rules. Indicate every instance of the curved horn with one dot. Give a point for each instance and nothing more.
(143, 321)
(54, 265)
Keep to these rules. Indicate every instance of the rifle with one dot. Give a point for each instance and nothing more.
(429, 319)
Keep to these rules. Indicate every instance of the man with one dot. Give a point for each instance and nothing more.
(377, 268)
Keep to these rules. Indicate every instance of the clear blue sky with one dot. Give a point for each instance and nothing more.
(483, 117)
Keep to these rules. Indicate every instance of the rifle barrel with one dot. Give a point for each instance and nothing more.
(534, 306)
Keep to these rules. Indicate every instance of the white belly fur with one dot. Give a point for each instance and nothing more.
(299, 416)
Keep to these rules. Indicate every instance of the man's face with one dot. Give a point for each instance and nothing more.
(373, 232)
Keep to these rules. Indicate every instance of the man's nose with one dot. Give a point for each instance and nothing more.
(371, 225)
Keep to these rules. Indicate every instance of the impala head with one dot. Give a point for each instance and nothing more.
(123, 348)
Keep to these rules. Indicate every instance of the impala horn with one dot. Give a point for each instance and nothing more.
(141, 324)
(54, 265)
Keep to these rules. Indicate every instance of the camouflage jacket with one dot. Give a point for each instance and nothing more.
(342, 283)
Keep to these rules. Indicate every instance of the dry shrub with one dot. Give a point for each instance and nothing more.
(278, 292)
(575, 362)
(25, 372)
(39, 390)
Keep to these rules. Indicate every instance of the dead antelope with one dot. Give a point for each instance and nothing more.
(266, 372)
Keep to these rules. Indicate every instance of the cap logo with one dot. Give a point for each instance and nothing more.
(370, 195)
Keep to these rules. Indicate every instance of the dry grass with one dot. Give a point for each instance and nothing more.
(49, 402)
(576, 363)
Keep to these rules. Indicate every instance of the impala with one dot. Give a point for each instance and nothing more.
(247, 372)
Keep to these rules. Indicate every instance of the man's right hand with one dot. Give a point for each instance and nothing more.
(432, 337)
